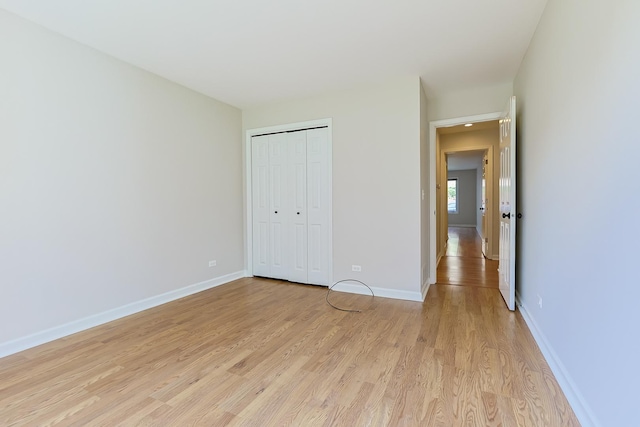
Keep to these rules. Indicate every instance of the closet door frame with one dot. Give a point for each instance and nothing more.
(250, 133)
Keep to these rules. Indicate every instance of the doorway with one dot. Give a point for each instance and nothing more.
(466, 260)
(465, 249)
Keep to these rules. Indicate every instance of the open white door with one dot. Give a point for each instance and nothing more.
(507, 263)
(484, 203)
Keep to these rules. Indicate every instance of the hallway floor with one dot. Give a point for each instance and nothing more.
(464, 264)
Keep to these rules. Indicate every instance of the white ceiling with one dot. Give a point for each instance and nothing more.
(252, 52)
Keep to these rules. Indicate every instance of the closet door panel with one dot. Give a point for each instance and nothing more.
(298, 206)
(260, 205)
(278, 212)
(291, 206)
(318, 206)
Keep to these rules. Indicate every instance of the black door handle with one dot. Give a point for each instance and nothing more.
(506, 215)
(297, 213)
(276, 212)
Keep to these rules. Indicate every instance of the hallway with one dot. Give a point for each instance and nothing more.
(463, 263)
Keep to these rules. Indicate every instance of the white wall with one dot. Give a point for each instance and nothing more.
(466, 215)
(424, 190)
(578, 91)
(489, 99)
(376, 178)
(115, 185)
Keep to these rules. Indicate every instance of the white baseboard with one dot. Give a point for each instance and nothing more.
(432, 281)
(356, 288)
(425, 289)
(38, 338)
(569, 388)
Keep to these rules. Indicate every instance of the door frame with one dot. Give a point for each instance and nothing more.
(433, 157)
(250, 133)
(478, 147)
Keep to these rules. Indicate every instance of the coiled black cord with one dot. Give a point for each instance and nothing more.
(346, 280)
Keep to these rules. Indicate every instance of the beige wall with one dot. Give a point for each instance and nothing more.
(474, 140)
(376, 178)
(578, 91)
(115, 185)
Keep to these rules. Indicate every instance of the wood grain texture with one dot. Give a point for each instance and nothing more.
(259, 352)
(463, 263)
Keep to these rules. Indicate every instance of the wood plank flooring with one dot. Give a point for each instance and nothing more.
(258, 352)
(463, 263)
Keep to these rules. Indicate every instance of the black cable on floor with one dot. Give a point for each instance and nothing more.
(345, 309)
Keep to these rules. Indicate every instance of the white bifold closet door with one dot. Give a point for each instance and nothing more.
(291, 206)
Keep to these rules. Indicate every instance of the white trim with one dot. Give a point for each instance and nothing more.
(425, 290)
(433, 255)
(580, 407)
(38, 338)
(356, 288)
(433, 126)
(328, 122)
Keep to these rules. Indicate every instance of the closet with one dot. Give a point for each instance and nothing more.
(291, 205)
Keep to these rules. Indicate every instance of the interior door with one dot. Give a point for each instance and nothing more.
(507, 184)
(260, 204)
(291, 205)
(278, 212)
(319, 205)
(297, 206)
(483, 207)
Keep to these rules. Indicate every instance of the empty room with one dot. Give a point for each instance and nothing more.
(270, 213)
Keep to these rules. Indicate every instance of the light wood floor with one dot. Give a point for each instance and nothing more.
(463, 263)
(260, 352)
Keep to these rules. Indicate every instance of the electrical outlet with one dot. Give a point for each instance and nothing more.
(212, 263)
(540, 301)
(356, 268)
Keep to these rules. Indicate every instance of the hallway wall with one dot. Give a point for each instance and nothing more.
(466, 215)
